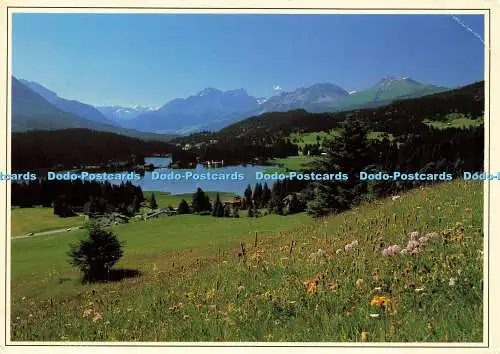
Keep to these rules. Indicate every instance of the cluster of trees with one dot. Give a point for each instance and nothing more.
(311, 149)
(245, 150)
(433, 152)
(83, 147)
(66, 197)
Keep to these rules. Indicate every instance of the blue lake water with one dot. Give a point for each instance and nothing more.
(189, 186)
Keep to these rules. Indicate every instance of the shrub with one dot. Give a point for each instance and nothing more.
(183, 207)
(97, 254)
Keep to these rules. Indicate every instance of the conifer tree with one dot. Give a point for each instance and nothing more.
(153, 203)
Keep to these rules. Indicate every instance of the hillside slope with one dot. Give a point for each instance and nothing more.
(194, 288)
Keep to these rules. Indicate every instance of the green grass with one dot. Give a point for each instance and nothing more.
(290, 163)
(25, 220)
(380, 136)
(302, 139)
(455, 120)
(189, 291)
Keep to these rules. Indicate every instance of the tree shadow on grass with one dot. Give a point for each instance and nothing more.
(113, 275)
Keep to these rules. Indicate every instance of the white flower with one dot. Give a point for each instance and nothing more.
(374, 315)
(452, 281)
(396, 197)
(418, 290)
(432, 235)
(423, 239)
(414, 235)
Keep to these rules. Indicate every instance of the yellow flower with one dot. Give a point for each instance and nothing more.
(359, 283)
(380, 301)
(87, 312)
(210, 294)
(364, 336)
(311, 286)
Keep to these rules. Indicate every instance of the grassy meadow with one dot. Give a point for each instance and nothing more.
(194, 288)
(38, 219)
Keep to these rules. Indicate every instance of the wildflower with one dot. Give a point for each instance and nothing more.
(429, 328)
(432, 235)
(418, 290)
(87, 312)
(452, 281)
(351, 246)
(210, 294)
(380, 301)
(238, 253)
(311, 287)
(364, 336)
(412, 244)
(396, 197)
(391, 250)
(359, 283)
(374, 315)
(319, 254)
(333, 286)
(423, 239)
(97, 317)
(414, 235)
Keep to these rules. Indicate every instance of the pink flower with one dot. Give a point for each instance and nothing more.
(412, 244)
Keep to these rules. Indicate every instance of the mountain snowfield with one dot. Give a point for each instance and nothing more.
(213, 109)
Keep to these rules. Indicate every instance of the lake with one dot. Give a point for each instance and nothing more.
(189, 186)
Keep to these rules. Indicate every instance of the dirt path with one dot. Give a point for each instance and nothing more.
(50, 232)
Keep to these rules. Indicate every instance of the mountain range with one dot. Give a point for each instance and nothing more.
(31, 111)
(36, 107)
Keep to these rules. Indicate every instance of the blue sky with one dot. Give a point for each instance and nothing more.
(149, 59)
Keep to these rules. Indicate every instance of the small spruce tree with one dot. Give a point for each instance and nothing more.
(96, 255)
(183, 207)
(153, 203)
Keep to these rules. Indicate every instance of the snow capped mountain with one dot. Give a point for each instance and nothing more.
(213, 109)
(207, 106)
(262, 100)
(124, 113)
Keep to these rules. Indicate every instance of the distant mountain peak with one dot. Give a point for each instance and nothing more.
(208, 91)
(392, 78)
